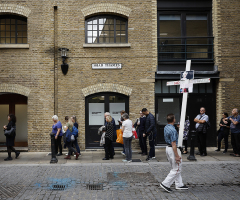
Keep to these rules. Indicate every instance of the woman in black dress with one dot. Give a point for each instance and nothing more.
(10, 139)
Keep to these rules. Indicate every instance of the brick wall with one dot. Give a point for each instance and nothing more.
(35, 68)
(226, 23)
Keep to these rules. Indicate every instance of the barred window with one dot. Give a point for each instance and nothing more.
(106, 29)
(13, 29)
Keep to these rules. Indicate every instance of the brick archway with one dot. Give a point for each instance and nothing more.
(15, 9)
(107, 87)
(15, 88)
(106, 8)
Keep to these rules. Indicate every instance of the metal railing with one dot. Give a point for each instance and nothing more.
(184, 48)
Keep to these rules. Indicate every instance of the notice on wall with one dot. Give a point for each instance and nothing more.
(115, 109)
(96, 114)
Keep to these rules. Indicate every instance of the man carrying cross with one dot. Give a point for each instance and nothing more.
(174, 157)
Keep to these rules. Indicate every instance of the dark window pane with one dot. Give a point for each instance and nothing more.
(123, 39)
(111, 33)
(8, 41)
(2, 34)
(202, 88)
(13, 34)
(13, 27)
(13, 40)
(118, 21)
(13, 21)
(24, 33)
(19, 22)
(19, 34)
(101, 40)
(8, 21)
(19, 27)
(8, 27)
(111, 40)
(24, 41)
(8, 34)
(118, 40)
(118, 27)
(24, 27)
(170, 26)
(116, 99)
(19, 40)
(109, 21)
(2, 21)
(123, 27)
(196, 25)
(2, 40)
(2, 27)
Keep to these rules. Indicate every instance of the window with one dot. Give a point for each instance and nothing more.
(13, 29)
(185, 35)
(106, 29)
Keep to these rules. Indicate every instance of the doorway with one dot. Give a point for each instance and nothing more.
(96, 105)
(16, 104)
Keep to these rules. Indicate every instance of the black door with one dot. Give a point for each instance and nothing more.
(96, 105)
(166, 104)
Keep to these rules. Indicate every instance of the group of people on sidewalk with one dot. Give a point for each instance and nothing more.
(69, 132)
(145, 128)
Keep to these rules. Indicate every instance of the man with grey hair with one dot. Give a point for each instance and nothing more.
(201, 120)
(114, 128)
(235, 131)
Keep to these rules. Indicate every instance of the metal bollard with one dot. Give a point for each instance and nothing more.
(191, 157)
(53, 159)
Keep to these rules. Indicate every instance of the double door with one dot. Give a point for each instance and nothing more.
(96, 106)
(166, 104)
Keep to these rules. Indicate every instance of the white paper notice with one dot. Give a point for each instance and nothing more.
(96, 114)
(115, 109)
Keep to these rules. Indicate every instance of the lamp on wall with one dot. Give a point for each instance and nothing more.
(64, 66)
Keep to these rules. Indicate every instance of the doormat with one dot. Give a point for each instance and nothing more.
(136, 160)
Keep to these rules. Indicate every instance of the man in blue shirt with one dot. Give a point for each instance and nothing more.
(235, 131)
(173, 156)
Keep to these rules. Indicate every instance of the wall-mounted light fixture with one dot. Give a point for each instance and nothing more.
(64, 66)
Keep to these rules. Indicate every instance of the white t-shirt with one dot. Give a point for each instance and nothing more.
(127, 128)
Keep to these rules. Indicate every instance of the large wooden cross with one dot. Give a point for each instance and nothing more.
(185, 97)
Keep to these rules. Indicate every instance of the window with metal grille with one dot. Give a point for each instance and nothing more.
(13, 29)
(106, 29)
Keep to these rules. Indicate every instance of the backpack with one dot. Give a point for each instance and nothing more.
(68, 135)
(75, 131)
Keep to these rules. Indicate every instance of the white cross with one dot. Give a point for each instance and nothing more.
(184, 100)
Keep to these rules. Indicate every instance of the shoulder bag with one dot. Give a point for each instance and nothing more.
(11, 132)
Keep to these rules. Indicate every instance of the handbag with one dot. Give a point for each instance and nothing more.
(134, 132)
(10, 132)
(72, 138)
(119, 136)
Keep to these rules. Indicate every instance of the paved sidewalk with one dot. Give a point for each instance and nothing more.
(91, 156)
(32, 177)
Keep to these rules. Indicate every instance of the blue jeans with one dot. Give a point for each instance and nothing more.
(128, 148)
(75, 143)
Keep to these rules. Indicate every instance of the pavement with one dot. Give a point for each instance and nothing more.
(31, 176)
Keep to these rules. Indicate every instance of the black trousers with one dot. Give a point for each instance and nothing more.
(224, 136)
(58, 145)
(108, 148)
(202, 140)
(235, 140)
(185, 144)
(151, 139)
(143, 143)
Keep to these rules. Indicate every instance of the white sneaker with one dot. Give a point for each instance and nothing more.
(184, 187)
(153, 157)
(123, 154)
(129, 161)
(124, 160)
